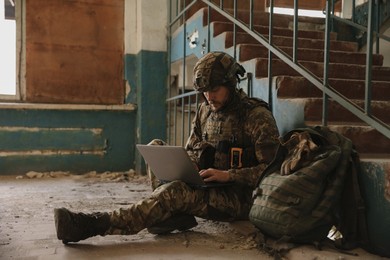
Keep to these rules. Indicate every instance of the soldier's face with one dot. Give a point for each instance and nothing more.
(217, 97)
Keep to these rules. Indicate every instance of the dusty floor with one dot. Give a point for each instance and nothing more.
(27, 226)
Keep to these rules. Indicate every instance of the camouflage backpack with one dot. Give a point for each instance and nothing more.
(300, 195)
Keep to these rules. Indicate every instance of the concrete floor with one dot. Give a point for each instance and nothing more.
(27, 226)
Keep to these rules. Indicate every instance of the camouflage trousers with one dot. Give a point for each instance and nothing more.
(223, 204)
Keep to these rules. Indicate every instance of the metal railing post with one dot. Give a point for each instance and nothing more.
(208, 28)
(295, 32)
(325, 97)
(377, 23)
(251, 14)
(184, 71)
(234, 29)
(249, 77)
(367, 100)
(169, 73)
(270, 36)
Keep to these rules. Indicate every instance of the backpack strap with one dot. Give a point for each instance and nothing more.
(274, 164)
(353, 224)
(360, 205)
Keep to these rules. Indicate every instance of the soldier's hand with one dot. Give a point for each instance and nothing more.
(214, 175)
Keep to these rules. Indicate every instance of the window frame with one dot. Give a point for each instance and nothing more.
(20, 50)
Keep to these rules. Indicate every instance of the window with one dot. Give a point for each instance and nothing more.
(63, 52)
(7, 49)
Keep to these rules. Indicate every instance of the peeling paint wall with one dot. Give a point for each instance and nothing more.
(51, 141)
(66, 140)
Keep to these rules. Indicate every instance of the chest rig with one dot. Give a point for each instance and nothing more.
(226, 133)
(221, 127)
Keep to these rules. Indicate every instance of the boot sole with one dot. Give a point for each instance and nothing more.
(62, 219)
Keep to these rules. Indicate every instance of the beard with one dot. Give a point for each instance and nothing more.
(215, 106)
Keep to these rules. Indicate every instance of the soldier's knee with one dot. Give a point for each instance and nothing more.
(169, 189)
(172, 193)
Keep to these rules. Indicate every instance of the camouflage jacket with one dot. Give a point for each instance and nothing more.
(245, 123)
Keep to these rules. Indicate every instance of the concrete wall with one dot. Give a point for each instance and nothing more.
(146, 68)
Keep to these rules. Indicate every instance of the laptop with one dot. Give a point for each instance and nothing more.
(169, 163)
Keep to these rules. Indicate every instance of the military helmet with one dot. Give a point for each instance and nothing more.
(216, 69)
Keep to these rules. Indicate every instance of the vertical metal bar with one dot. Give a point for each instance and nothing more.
(326, 63)
(249, 77)
(169, 72)
(251, 15)
(189, 116)
(332, 13)
(221, 4)
(295, 36)
(234, 28)
(182, 122)
(175, 122)
(377, 20)
(175, 102)
(270, 24)
(367, 103)
(184, 71)
(208, 28)
(354, 11)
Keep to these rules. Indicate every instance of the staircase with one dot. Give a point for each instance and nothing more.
(346, 74)
(297, 102)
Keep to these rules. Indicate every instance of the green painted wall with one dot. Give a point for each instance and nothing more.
(66, 140)
(146, 73)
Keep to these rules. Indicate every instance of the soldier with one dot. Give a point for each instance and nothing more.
(233, 138)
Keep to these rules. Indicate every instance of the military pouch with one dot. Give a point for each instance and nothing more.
(236, 157)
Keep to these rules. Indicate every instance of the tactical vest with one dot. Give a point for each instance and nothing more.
(224, 130)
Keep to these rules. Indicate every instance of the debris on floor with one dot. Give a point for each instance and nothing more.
(27, 225)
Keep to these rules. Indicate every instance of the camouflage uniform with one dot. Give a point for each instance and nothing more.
(244, 123)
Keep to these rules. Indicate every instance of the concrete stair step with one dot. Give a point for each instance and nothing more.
(368, 142)
(342, 71)
(251, 51)
(337, 113)
(262, 18)
(288, 42)
(220, 27)
(299, 87)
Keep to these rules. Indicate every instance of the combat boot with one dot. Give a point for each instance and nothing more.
(73, 227)
(179, 222)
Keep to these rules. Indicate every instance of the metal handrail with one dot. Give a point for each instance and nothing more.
(328, 92)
